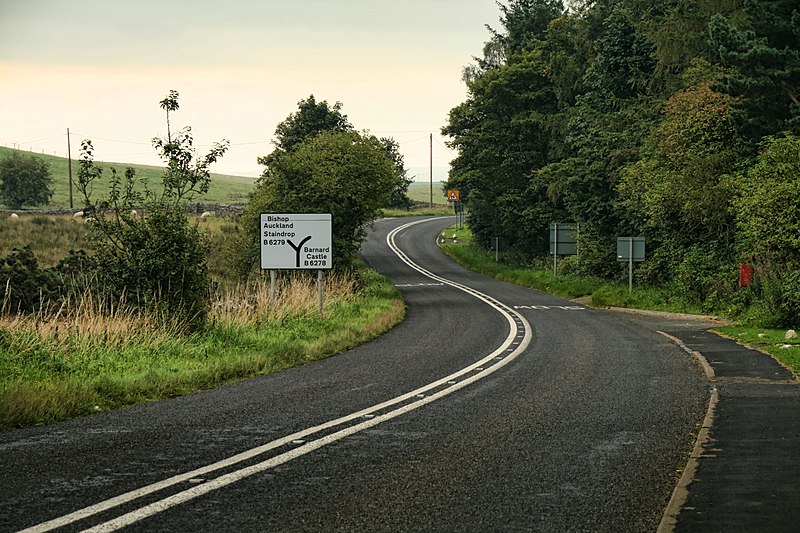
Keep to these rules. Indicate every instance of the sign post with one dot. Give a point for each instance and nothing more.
(454, 196)
(563, 241)
(296, 241)
(630, 249)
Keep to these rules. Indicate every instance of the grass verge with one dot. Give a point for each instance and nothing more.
(771, 341)
(54, 370)
(599, 293)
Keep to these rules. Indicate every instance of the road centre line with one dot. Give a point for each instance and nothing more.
(511, 348)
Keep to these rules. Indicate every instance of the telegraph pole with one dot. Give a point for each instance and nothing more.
(69, 166)
(431, 151)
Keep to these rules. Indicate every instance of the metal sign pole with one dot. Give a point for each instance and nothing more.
(319, 291)
(555, 250)
(272, 277)
(630, 264)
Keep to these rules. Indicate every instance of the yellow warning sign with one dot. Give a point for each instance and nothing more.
(453, 195)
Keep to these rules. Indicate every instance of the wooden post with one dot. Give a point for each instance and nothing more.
(431, 163)
(69, 166)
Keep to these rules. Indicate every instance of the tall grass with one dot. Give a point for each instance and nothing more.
(91, 354)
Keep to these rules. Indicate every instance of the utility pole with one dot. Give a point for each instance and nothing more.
(69, 166)
(431, 151)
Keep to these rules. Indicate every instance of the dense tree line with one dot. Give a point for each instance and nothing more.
(674, 120)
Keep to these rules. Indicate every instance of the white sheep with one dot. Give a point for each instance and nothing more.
(205, 215)
(78, 215)
(14, 216)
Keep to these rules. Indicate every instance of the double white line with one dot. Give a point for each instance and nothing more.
(515, 343)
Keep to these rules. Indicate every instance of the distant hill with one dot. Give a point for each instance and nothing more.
(224, 189)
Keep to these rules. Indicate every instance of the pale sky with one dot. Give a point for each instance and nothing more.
(100, 67)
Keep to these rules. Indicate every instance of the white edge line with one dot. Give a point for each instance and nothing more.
(287, 456)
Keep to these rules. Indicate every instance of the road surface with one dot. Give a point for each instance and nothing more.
(490, 408)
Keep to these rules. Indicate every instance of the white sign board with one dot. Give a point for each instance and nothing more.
(296, 241)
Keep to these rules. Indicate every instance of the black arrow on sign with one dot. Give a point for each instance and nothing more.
(297, 248)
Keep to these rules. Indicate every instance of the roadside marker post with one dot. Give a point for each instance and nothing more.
(296, 241)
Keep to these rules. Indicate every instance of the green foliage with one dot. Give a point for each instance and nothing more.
(24, 181)
(26, 287)
(767, 205)
(310, 119)
(639, 118)
(764, 48)
(153, 259)
(349, 175)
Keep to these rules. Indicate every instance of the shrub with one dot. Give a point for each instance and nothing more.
(24, 286)
(145, 249)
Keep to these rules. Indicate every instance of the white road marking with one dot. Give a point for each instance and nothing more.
(368, 418)
(549, 307)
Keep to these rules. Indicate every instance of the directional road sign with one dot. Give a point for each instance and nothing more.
(296, 241)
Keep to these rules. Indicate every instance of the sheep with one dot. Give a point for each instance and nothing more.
(78, 215)
(205, 215)
(14, 216)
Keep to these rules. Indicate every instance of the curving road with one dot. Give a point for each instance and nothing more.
(490, 408)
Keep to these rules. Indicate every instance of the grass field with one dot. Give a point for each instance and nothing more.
(225, 189)
(420, 191)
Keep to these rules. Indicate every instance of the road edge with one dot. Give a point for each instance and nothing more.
(680, 494)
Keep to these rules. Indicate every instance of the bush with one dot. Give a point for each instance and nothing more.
(24, 286)
(776, 298)
(145, 249)
(27, 288)
(702, 277)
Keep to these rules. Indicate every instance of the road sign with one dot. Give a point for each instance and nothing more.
(453, 195)
(563, 239)
(296, 241)
(630, 249)
(626, 245)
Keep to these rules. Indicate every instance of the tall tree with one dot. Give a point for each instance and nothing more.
(764, 49)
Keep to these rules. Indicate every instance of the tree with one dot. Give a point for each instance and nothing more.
(346, 174)
(310, 119)
(399, 198)
(767, 209)
(154, 258)
(25, 181)
(768, 204)
(764, 49)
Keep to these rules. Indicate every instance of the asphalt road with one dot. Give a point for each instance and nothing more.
(490, 408)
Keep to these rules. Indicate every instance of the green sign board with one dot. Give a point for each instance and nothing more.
(630, 245)
(563, 239)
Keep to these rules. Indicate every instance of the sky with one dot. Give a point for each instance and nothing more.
(100, 67)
